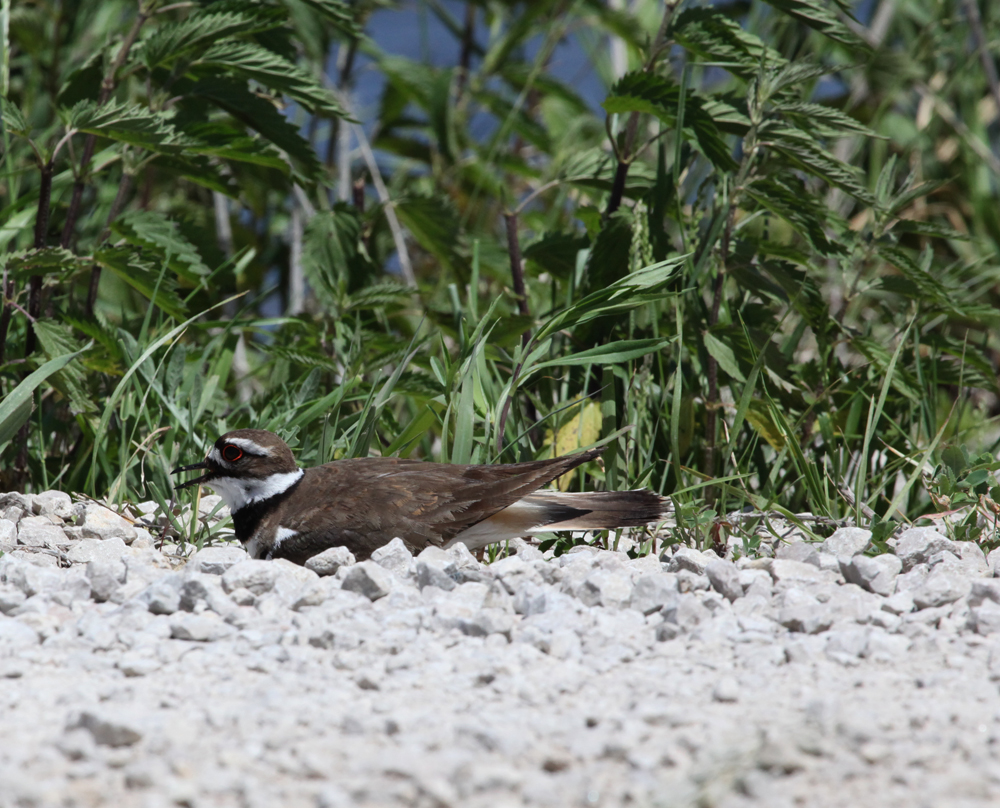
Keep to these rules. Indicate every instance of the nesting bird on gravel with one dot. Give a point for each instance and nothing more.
(282, 511)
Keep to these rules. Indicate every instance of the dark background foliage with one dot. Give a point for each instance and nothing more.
(750, 246)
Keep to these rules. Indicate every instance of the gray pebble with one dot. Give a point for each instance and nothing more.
(331, 560)
(876, 574)
(918, 544)
(108, 727)
(370, 580)
(217, 560)
(725, 578)
(847, 542)
(802, 551)
(944, 584)
(97, 522)
(650, 593)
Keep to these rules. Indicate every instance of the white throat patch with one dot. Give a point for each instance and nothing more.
(238, 493)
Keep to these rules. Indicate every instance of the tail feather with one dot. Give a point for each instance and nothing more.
(600, 510)
(545, 511)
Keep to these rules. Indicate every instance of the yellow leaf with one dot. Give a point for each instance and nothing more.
(760, 419)
(582, 429)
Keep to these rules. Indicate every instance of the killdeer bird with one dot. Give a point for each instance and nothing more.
(282, 511)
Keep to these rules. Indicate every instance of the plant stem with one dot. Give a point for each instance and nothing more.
(41, 229)
(517, 270)
(465, 57)
(625, 156)
(107, 87)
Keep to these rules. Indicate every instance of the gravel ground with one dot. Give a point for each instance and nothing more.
(820, 677)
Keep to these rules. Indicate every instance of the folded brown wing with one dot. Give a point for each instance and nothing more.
(366, 502)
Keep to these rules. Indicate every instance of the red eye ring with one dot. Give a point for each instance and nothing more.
(231, 453)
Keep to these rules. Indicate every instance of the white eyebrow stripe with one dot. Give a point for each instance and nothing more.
(250, 446)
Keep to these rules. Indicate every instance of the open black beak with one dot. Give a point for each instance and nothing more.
(202, 465)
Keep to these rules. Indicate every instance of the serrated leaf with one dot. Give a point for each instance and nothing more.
(154, 231)
(595, 168)
(199, 170)
(252, 61)
(55, 340)
(329, 247)
(929, 286)
(144, 277)
(785, 195)
(13, 119)
(806, 154)
(337, 12)
(609, 259)
(714, 36)
(128, 123)
(263, 117)
(650, 93)
(817, 15)
(435, 226)
(228, 143)
(200, 30)
(47, 261)
(557, 253)
(379, 295)
(825, 120)
(932, 229)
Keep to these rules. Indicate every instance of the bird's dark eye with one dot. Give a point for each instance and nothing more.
(231, 453)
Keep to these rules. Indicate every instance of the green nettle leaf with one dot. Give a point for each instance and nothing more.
(435, 226)
(329, 246)
(714, 36)
(806, 154)
(172, 41)
(337, 12)
(826, 121)
(818, 16)
(56, 339)
(84, 82)
(262, 116)
(595, 168)
(379, 295)
(13, 119)
(49, 261)
(228, 143)
(252, 61)
(724, 355)
(128, 123)
(154, 231)
(609, 258)
(154, 283)
(785, 195)
(557, 253)
(199, 170)
(657, 95)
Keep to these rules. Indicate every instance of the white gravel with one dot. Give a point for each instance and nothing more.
(822, 677)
